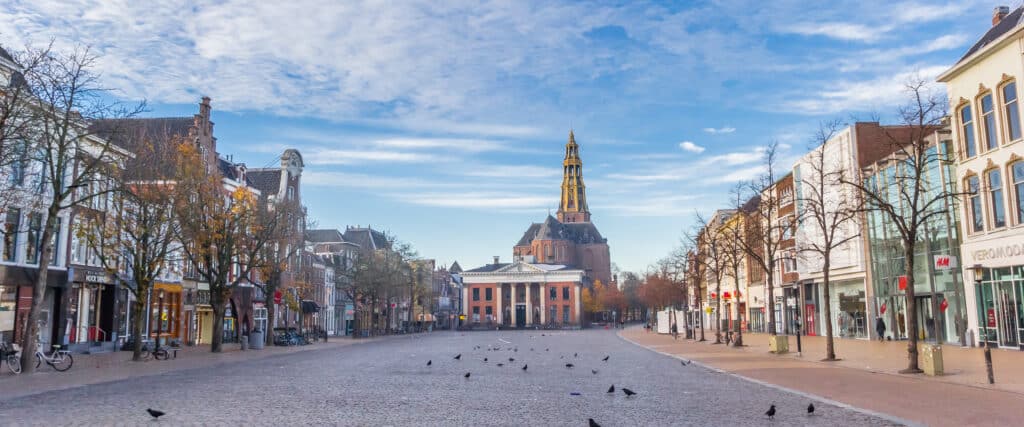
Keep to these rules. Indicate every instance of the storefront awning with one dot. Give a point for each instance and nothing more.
(310, 307)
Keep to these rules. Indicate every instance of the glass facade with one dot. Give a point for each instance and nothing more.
(1001, 307)
(936, 290)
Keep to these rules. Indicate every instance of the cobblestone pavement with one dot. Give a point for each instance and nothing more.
(389, 383)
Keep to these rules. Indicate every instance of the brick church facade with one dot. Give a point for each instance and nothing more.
(552, 262)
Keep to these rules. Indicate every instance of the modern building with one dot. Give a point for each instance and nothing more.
(984, 101)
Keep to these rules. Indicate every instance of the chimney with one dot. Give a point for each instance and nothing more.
(999, 13)
(496, 260)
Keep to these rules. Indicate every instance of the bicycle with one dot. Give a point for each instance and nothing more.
(11, 353)
(159, 353)
(59, 359)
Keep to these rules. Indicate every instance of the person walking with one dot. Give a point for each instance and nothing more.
(675, 331)
(880, 328)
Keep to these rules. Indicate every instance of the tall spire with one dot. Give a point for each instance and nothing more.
(573, 207)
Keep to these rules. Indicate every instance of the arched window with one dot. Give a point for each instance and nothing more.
(967, 130)
(1011, 111)
(988, 122)
(1017, 174)
(974, 188)
(995, 191)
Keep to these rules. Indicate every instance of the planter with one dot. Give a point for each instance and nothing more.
(931, 360)
(778, 344)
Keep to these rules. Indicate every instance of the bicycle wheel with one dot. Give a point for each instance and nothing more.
(14, 363)
(160, 354)
(62, 362)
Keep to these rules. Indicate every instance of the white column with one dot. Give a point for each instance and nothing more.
(543, 310)
(497, 312)
(465, 303)
(512, 308)
(579, 317)
(529, 306)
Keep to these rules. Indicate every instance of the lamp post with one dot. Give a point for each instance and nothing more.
(978, 272)
(159, 317)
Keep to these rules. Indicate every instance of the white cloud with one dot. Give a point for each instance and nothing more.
(720, 130)
(479, 200)
(737, 158)
(878, 93)
(691, 147)
(465, 145)
(348, 157)
(837, 30)
(510, 171)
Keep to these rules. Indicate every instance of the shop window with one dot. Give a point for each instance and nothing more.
(995, 186)
(259, 318)
(988, 121)
(1017, 173)
(488, 294)
(11, 226)
(967, 130)
(1011, 111)
(977, 220)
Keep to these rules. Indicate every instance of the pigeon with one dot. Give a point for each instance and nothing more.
(771, 412)
(467, 375)
(458, 357)
(605, 359)
(501, 364)
(592, 423)
(511, 359)
(485, 360)
(575, 393)
(430, 362)
(561, 357)
(154, 413)
(515, 350)
(524, 367)
(569, 365)
(593, 371)
(628, 392)
(575, 355)
(810, 409)
(685, 362)
(611, 389)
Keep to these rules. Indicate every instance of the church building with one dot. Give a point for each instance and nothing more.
(550, 265)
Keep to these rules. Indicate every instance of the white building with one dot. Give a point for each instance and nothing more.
(987, 130)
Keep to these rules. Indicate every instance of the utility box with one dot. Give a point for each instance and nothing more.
(778, 344)
(931, 360)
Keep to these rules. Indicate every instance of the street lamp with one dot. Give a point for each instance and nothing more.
(979, 271)
(159, 317)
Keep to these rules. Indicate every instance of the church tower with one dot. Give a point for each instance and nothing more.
(573, 207)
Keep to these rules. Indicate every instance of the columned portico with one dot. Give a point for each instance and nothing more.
(497, 302)
(543, 310)
(512, 288)
(579, 316)
(529, 305)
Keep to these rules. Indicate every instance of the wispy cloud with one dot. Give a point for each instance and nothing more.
(479, 200)
(726, 129)
(883, 92)
(837, 30)
(511, 171)
(691, 147)
(467, 145)
(349, 157)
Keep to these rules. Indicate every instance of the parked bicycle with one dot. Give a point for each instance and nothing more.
(11, 353)
(151, 351)
(59, 358)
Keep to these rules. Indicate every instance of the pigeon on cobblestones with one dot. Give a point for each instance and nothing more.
(511, 359)
(501, 364)
(611, 389)
(569, 365)
(430, 362)
(485, 360)
(593, 371)
(771, 412)
(592, 423)
(810, 409)
(628, 392)
(524, 367)
(467, 375)
(154, 413)
(685, 362)
(605, 359)
(458, 357)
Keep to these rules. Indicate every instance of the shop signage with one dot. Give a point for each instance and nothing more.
(97, 278)
(790, 302)
(277, 297)
(945, 262)
(903, 283)
(944, 305)
(1010, 250)
(991, 317)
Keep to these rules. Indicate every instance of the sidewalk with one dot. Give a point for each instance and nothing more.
(867, 376)
(106, 367)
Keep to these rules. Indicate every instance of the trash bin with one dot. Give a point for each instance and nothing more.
(256, 340)
(931, 360)
(245, 342)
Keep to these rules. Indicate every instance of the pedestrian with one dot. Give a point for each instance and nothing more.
(622, 324)
(675, 331)
(880, 328)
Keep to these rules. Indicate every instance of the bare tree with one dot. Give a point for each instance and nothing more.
(829, 214)
(734, 231)
(136, 233)
(74, 163)
(712, 240)
(283, 223)
(910, 198)
(762, 244)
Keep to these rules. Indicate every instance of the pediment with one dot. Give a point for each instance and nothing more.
(519, 267)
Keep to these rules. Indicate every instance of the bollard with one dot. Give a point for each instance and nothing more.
(245, 342)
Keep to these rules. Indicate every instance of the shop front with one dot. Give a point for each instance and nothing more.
(97, 307)
(16, 300)
(165, 312)
(1000, 307)
(848, 303)
(204, 316)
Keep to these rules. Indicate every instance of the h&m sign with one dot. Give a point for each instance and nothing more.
(945, 262)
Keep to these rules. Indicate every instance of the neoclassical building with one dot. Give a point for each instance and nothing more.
(551, 264)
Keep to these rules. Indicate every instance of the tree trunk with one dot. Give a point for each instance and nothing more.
(738, 341)
(138, 322)
(268, 335)
(830, 345)
(770, 304)
(718, 312)
(700, 315)
(217, 340)
(30, 336)
(911, 319)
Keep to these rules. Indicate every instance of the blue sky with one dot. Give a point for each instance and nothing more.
(444, 122)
